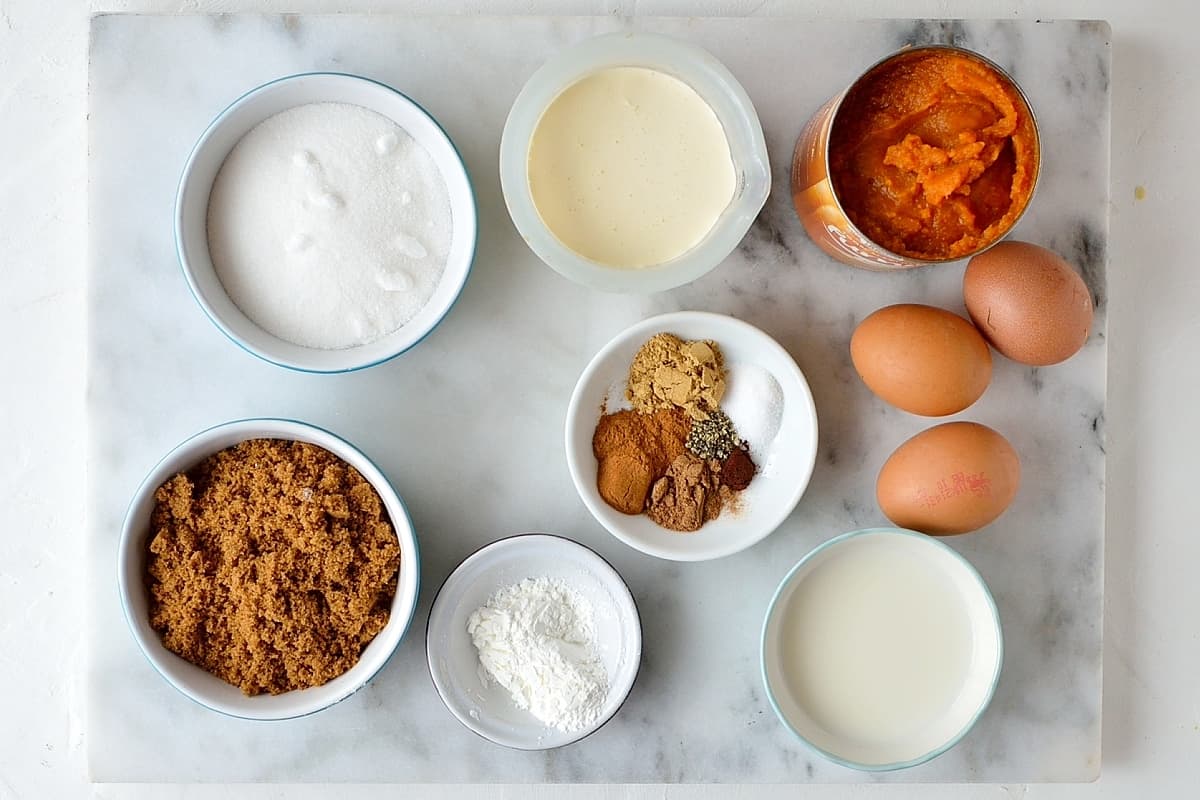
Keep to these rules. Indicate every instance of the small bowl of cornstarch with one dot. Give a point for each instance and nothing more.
(534, 642)
(325, 222)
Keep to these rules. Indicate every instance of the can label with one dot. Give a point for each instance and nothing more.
(832, 231)
(818, 208)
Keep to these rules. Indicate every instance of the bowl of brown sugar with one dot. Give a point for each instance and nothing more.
(691, 436)
(267, 568)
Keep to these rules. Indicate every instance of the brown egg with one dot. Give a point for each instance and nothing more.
(953, 478)
(922, 359)
(1029, 303)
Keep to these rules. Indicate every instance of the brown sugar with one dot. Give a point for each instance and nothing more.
(633, 450)
(272, 564)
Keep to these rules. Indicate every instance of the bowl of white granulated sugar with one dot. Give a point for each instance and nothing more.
(534, 642)
(325, 222)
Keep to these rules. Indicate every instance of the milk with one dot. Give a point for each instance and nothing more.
(876, 644)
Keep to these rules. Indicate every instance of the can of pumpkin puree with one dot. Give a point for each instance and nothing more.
(931, 155)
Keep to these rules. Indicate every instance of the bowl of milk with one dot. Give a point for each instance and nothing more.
(325, 222)
(881, 649)
(633, 163)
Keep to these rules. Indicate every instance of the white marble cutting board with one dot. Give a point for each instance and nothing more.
(469, 424)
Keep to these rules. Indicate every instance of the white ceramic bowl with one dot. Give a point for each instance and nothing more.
(912, 747)
(191, 216)
(205, 688)
(773, 493)
(712, 81)
(454, 662)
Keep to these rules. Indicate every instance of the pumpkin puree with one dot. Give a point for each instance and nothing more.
(934, 155)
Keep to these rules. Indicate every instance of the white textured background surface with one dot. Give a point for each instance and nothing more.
(698, 713)
(1152, 625)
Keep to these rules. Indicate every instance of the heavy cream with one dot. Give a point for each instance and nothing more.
(629, 167)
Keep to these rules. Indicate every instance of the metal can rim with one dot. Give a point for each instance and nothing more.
(906, 51)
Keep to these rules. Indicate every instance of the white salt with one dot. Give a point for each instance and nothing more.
(753, 402)
(329, 226)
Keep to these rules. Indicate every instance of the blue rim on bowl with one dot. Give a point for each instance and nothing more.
(130, 564)
(453, 288)
(957, 737)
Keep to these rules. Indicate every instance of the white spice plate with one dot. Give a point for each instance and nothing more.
(769, 498)
(454, 662)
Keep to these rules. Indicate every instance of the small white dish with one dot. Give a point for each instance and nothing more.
(906, 689)
(773, 493)
(489, 711)
(206, 689)
(191, 216)
(712, 81)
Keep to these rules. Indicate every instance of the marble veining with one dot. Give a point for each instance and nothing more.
(469, 424)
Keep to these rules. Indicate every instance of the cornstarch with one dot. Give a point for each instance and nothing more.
(329, 226)
(537, 639)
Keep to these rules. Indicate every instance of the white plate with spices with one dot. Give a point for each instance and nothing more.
(785, 462)
(473, 696)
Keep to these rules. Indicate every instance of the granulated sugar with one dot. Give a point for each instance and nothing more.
(329, 226)
(754, 402)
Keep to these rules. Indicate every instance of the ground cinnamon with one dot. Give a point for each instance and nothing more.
(633, 450)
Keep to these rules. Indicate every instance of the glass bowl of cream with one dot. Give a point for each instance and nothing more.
(633, 163)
